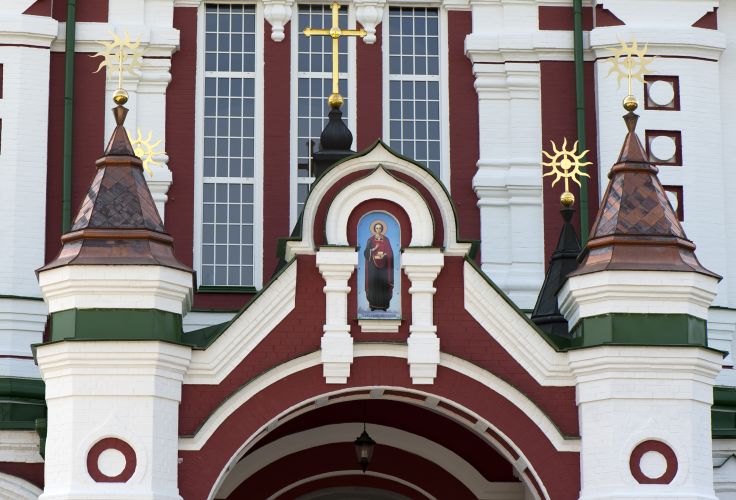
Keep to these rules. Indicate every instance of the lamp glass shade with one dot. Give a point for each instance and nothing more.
(364, 450)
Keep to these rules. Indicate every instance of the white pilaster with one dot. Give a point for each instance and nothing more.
(336, 264)
(422, 265)
(631, 395)
(24, 111)
(508, 182)
(90, 398)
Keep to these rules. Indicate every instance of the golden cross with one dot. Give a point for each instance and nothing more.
(335, 100)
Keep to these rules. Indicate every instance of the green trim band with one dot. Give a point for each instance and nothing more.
(227, 289)
(22, 401)
(116, 324)
(723, 413)
(640, 329)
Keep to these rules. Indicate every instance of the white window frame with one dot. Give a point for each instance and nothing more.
(443, 79)
(294, 109)
(257, 147)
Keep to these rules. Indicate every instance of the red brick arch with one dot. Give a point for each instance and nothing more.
(557, 471)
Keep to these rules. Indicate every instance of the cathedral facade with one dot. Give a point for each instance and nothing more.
(230, 285)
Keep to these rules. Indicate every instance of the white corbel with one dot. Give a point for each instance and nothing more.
(369, 13)
(278, 14)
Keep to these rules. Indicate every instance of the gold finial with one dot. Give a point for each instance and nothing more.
(120, 55)
(335, 32)
(565, 164)
(146, 150)
(629, 61)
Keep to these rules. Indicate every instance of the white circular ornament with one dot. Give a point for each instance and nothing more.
(661, 92)
(111, 462)
(653, 464)
(663, 148)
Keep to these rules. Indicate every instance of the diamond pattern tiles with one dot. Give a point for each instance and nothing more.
(118, 198)
(643, 210)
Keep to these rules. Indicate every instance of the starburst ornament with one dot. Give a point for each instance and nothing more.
(565, 164)
(629, 62)
(121, 55)
(146, 150)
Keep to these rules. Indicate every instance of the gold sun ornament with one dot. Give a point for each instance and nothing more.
(146, 150)
(565, 164)
(629, 61)
(121, 55)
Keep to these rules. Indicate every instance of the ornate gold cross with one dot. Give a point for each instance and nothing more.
(335, 100)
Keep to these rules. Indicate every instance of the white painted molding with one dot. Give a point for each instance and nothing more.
(379, 185)
(117, 287)
(611, 372)
(194, 320)
(379, 156)
(379, 325)
(660, 13)
(688, 42)
(444, 458)
(422, 265)
(504, 323)
(212, 365)
(638, 292)
(27, 30)
(17, 488)
(278, 14)
(270, 377)
(336, 264)
(19, 446)
(369, 13)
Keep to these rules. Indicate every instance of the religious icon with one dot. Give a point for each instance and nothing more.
(378, 277)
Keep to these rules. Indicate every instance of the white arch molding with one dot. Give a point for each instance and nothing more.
(379, 185)
(17, 488)
(350, 473)
(379, 156)
(444, 458)
(558, 441)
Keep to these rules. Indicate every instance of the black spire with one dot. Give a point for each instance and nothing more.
(546, 313)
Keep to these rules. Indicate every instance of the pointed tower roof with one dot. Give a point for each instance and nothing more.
(636, 227)
(546, 312)
(118, 222)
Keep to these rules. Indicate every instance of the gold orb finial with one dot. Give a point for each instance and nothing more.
(567, 199)
(335, 100)
(630, 103)
(120, 97)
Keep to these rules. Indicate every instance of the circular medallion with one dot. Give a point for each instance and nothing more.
(111, 460)
(663, 148)
(653, 462)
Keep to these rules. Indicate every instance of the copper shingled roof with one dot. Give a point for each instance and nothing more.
(636, 227)
(118, 222)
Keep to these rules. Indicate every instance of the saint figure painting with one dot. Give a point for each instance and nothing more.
(378, 276)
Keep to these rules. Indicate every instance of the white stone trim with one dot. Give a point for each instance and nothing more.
(194, 320)
(378, 156)
(212, 365)
(444, 458)
(19, 446)
(422, 265)
(117, 287)
(379, 185)
(336, 264)
(689, 42)
(506, 390)
(17, 488)
(506, 325)
(317, 477)
(379, 325)
(369, 13)
(638, 292)
(17, 29)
